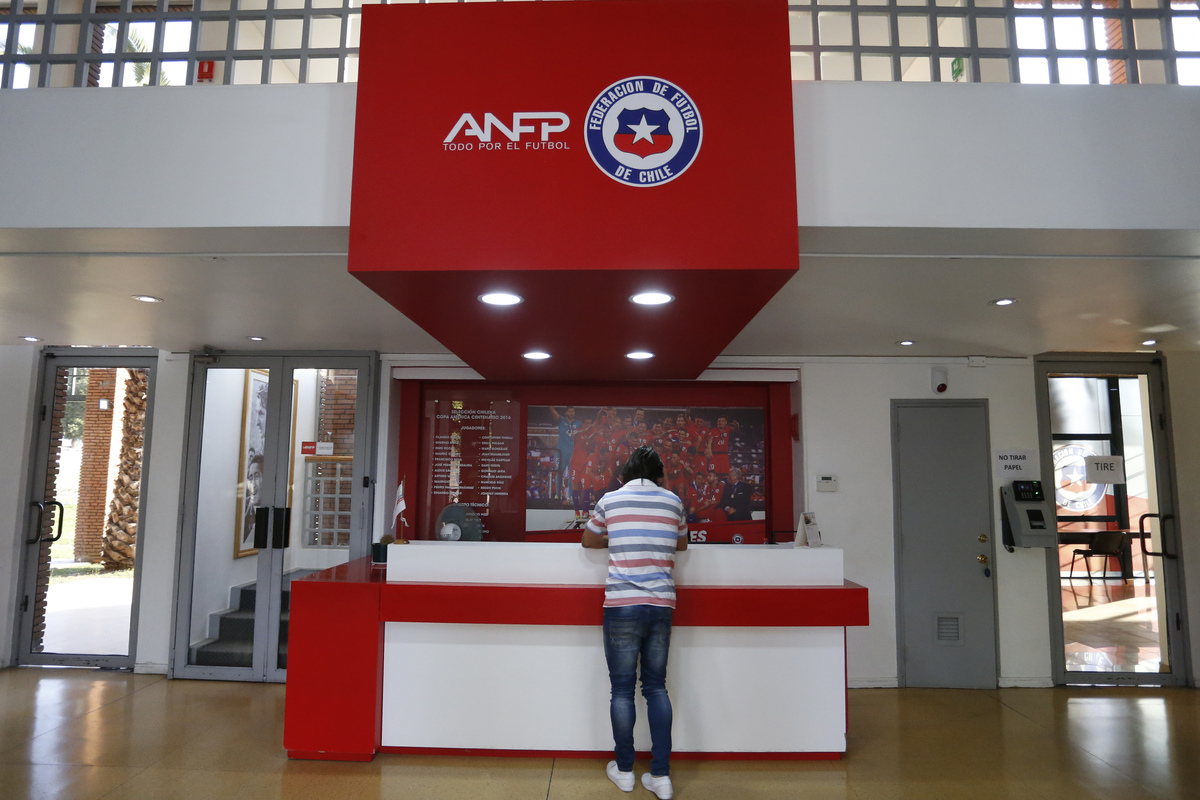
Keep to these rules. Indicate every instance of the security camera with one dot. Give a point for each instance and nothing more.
(940, 378)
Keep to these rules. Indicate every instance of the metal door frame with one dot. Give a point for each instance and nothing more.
(270, 569)
(897, 553)
(1126, 365)
(52, 359)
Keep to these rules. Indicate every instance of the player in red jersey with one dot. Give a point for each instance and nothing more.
(693, 498)
(718, 445)
(710, 499)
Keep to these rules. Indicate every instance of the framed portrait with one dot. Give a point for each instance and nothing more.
(251, 455)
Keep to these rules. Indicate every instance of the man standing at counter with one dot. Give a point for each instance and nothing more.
(642, 525)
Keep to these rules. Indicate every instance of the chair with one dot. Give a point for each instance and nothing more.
(1107, 544)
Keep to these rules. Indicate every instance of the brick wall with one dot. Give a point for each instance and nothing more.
(49, 523)
(335, 420)
(94, 479)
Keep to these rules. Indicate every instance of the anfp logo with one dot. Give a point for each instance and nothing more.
(643, 131)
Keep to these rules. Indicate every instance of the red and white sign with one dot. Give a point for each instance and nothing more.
(308, 448)
(576, 153)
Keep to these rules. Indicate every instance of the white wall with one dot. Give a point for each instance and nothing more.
(159, 536)
(867, 154)
(18, 378)
(847, 432)
(1183, 377)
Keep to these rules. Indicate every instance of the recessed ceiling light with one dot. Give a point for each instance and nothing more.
(652, 298)
(536, 355)
(1004, 301)
(500, 298)
(906, 342)
(1149, 342)
(31, 338)
(146, 298)
(639, 355)
(257, 338)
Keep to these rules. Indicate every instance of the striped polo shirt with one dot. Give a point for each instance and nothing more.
(643, 523)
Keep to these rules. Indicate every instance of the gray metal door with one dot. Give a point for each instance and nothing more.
(946, 605)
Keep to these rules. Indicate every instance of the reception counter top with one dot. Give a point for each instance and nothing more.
(496, 647)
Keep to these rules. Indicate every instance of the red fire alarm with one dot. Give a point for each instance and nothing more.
(204, 72)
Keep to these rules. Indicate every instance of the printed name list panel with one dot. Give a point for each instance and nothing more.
(472, 489)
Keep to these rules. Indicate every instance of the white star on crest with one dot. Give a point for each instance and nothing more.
(643, 131)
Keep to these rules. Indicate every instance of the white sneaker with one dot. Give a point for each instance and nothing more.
(660, 785)
(623, 780)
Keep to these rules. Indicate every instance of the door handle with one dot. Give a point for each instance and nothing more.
(281, 528)
(41, 517)
(1142, 533)
(61, 513)
(261, 518)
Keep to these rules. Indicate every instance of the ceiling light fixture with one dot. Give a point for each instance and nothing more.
(31, 338)
(1149, 342)
(639, 355)
(1004, 301)
(501, 298)
(536, 355)
(906, 342)
(651, 298)
(257, 338)
(146, 298)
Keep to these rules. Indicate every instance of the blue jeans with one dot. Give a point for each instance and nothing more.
(629, 632)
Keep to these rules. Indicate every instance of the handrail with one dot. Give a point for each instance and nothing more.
(1142, 534)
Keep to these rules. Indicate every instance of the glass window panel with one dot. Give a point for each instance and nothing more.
(833, 2)
(834, 29)
(177, 36)
(913, 30)
(1151, 71)
(1079, 406)
(29, 37)
(174, 73)
(136, 73)
(107, 73)
(1144, 4)
(322, 70)
(1187, 33)
(356, 27)
(1108, 33)
(24, 75)
(1188, 70)
(1031, 33)
(1033, 70)
(915, 68)
(1111, 70)
(802, 67)
(953, 32)
(214, 34)
(992, 32)
(3, 36)
(252, 5)
(911, 2)
(800, 27)
(288, 34)
(1147, 34)
(956, 70)
(1073, 70)
(875, 30)
(952, 3)
(326, 3)
(247, 70)
(325, 32)
(872, 2)
(837, 67)
(139, 37)
(213, 5)
(62, 75)
(249, 36)
(876, 68)
(989, 3)
(285, 70)
(793, 3)
(351, 75)
(1068, 33)
(994, 70)
(289, 4)
(66, 38)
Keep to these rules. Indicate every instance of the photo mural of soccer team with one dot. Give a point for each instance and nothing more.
(714, 459)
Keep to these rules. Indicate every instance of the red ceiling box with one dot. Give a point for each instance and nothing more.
(576, 154)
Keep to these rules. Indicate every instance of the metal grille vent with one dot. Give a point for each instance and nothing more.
(949, 629)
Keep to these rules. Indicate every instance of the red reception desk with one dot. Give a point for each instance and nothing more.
(439, 659)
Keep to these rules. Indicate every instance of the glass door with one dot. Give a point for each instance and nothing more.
(277, 489)
(1115, 570)
(79, 592)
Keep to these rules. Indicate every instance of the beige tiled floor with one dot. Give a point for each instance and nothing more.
(82, 734)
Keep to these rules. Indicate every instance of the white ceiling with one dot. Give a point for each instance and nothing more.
(856, 294)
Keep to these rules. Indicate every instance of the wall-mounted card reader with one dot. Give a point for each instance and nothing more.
(1028, 519)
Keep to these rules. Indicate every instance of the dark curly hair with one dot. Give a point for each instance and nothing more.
(642, 463)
